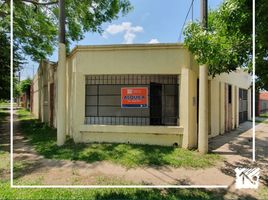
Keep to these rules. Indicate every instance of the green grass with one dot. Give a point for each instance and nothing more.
(4, 156)
(43, 138)
(263, 192)
(6, 104)
(92, 194)
(3, 115)
(108, 194)
(264, 115)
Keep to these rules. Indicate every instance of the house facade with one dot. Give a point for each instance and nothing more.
(143, 93)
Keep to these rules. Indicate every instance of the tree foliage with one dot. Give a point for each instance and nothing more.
(36, 21)
(25, 85)
(36, 28)
(5, 64)
(223, 46)
(227, 42)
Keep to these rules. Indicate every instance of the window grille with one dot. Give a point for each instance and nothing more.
(103, 100)
(243, 105)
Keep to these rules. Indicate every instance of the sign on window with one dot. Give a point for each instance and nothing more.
(134, 97)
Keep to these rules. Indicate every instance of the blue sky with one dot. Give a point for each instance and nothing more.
(150, 21)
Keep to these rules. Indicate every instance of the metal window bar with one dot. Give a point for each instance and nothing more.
(132, 81)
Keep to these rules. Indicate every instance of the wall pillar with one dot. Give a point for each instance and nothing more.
(203, 110)
(79, 87)
(249, 104)
(61, 95)
(188, 108)
(237, 106)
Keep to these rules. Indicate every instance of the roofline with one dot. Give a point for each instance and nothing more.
(126, 47)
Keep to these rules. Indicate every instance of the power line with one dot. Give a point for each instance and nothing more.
(191, 6)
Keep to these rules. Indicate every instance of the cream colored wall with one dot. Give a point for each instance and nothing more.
(154, 135)
(215, 107)
(131, 59)
(119, 59)
(148, 59)
(188, 107)
(35, 106)
(238, 79)
(41, 90)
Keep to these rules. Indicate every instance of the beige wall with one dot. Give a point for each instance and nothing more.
(140, 59)
(238, 79)
(35, 106)
(153, 135)
(41, 91)
(119, 59)
(188, 107)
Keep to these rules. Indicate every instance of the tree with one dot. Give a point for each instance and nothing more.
(227, 43)
(25, 85)
(223, 46)
(36, 21)
(5, 64)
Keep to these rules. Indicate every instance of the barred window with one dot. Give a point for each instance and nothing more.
(103, 100)
(243, 105)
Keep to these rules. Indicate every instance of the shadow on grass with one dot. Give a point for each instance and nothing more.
(127, 194)
(3, 116)
(43, 138)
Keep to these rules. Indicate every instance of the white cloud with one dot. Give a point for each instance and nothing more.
(126, 28)
(152, 41)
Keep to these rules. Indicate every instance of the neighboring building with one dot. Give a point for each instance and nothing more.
(42, 89)
(25, 99)
(159, 87)
(263, 102)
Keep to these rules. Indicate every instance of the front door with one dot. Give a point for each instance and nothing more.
(155, 104)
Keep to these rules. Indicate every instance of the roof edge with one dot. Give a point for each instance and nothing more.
(125, 46)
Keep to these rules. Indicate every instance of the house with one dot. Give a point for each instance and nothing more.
(142, 93)
(263, 102)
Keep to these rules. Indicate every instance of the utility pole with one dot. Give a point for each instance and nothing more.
(61, 78)
(33, 71)
(203, 92)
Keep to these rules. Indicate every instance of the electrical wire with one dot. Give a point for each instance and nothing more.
(191, 6)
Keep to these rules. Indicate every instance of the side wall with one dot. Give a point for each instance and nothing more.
(42, 101)
(218, 100)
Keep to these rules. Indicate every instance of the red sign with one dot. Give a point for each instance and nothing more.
(134, 97)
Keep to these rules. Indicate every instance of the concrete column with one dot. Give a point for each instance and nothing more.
(203, 110)
(188, 104)
(233, 107)
(61, 95)
(78, 106)
(249, 104)
(237, 106)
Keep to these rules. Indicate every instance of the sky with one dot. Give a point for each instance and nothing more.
(151, 21)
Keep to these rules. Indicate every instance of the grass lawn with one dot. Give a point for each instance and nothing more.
(108, 194)
(264, 115)
(263, 193)
(3, 115)
(92, 194)
(43, 138)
